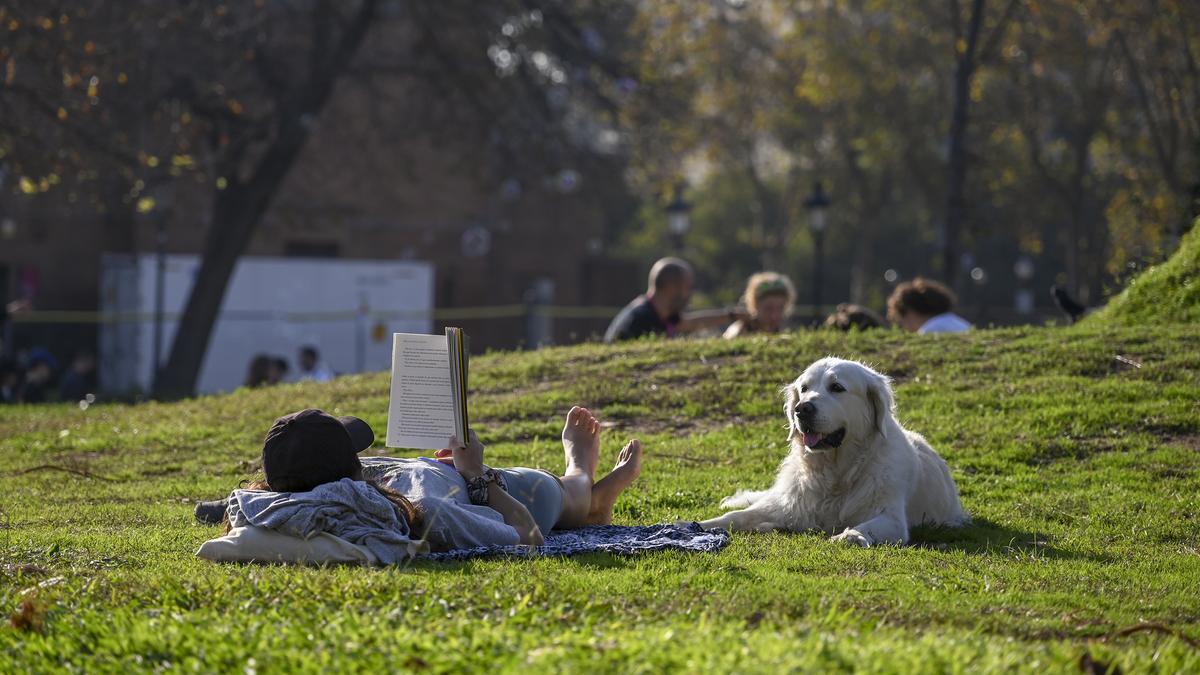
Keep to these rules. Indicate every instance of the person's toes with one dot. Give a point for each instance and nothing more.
(631, 456)
(573, 416)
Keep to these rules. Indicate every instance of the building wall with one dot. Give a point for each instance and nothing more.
(350, 195)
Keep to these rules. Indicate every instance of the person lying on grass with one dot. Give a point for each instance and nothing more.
(452, 500)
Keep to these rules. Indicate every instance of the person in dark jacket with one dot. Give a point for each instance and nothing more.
(80, 380)
(668, 291)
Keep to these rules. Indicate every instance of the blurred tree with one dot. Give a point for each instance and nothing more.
(974, 45)
(945, 131)
(1117, 171)
(1157, 127)
(775, 96)
(1060, 71)
(711, 84)
(133, 103)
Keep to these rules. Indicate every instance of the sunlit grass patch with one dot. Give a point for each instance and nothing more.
(1080, 473)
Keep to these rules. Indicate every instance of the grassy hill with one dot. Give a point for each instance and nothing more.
(1079, 467)
(1169, 292)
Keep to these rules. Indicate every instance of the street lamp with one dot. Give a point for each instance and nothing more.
(979, 277)
(678, 220)
(163, 204)
(817, 205)
(1023, 270)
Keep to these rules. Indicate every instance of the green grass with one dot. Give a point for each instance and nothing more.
(1166, 293)
(1080, 471)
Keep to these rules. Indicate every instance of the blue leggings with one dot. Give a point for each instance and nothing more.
(539, 491)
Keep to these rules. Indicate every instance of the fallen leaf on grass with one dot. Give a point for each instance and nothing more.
(29, 616)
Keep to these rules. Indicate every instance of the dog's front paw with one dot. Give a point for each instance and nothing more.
(854, 537)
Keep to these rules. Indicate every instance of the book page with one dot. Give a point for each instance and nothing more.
(421, 410)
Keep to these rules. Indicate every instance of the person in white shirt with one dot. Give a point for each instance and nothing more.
(925, 306)
(311, 367)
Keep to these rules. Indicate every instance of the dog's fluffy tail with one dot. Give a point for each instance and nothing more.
(742, 498)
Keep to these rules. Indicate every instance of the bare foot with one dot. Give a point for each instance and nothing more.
(607, 489)
(581, 442)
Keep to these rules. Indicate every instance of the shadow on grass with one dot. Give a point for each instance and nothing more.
(980, 537)
(600, 560)
(983, 537)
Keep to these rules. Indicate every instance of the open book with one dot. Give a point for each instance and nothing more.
(429, 390)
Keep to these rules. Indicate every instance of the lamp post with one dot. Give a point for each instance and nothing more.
(678, 219)
(1023, 269)
(817, 205)
(160, 275)
(163, 204)
(979, 278)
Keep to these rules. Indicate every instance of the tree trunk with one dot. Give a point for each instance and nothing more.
(238, 209)
(956, 201)
(236, 213)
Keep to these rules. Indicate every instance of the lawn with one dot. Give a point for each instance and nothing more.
(1166, 292)
(1080, 469)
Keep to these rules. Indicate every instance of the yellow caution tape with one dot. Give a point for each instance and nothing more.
(447, 314)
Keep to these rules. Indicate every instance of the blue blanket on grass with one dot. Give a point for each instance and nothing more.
(625, 540)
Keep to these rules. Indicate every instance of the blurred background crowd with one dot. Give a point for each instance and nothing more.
(192, 192)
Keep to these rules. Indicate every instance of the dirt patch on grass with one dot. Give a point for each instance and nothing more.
(658, 425)
(1071, 448)
(1189, 441)
(677, 371)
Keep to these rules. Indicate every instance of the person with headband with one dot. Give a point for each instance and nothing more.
(768, 299)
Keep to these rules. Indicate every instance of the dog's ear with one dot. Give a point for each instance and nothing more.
(790, 398)
(879, 394)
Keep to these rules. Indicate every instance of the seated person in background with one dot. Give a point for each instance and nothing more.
(10, 381)
(925, 306)
(453, 500)
(311, 366)
(258, 373)
(277, 370)
(39, 377)
(80, 380)
(768, 299)
(668, 291)
(848, 316)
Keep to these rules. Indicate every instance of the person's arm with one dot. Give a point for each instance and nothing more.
(469, 462)
(709, 319)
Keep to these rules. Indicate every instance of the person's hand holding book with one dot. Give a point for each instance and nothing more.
(468, 459)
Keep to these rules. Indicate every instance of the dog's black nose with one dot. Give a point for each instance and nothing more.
(807, 409)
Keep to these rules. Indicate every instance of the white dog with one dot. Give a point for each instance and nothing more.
(853, 470)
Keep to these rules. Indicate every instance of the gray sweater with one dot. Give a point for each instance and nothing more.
(440, 493)
(346, 508)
